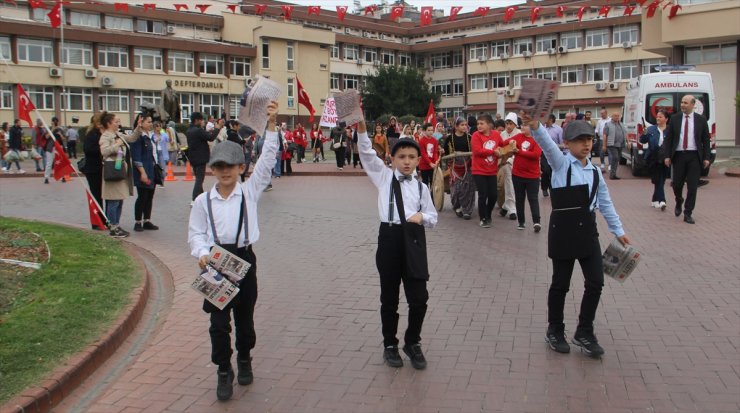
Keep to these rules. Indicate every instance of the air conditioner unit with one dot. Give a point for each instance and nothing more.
(55, 72)
(613, 86)
(365, 34)
(601, 86)
(107, 81)
(170, 29)
(481, 58)
(527, 54)
(551, 50)
(627, 45)
(563, 49)
(346, 30)
(91, 73)
(248, 82)
(509, 92)
(359, 62)
(504, 56)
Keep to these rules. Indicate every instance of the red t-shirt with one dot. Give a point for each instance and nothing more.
(483, 148)
(429, 152)
(527, 160)
(299, 135)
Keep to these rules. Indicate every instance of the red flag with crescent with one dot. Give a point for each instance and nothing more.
(232, 7)
(604, 11)
(202, 7)
(304, 100)
(426, 15)
(560, 11)
(509, 13)
(371, 9)
(55, 15)
(581, 11)
(652, 8)
(674, 11)
(260, 8)
(431, 116)
(341, 12)
(179, 7)
(454, 10)
(534, 13)
(481, 11)
(62, 165)
(94, 210)
(150, 6)
(287, 12)
(314, 10)
(37, 4)
(628, 10)
(396, 12)
(124, 7)
(25, 106)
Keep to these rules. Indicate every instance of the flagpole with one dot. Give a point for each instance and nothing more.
(61, 65)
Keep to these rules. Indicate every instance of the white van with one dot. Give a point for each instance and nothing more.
(649, 93)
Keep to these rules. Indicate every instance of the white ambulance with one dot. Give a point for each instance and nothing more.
(649, 93)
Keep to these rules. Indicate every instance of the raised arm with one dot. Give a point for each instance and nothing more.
(553, 154)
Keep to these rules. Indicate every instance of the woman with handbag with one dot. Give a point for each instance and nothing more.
(147, 173)
(118, 181)
(653, 137)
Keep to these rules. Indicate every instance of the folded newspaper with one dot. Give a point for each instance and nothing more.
(538, 97)
(620, 261)
(348, 107)
(228, 264)
(214, 287)
(254, 101)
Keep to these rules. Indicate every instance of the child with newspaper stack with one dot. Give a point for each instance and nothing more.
(226, 216)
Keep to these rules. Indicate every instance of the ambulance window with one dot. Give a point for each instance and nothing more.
(658, 101)
(702, 104)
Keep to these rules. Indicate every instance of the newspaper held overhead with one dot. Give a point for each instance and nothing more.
(619, 260)
(214, 287)
(348, 106)
(254, 101)
(538, 97)
(228, 264)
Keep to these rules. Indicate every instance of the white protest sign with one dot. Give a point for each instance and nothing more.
(329, 116)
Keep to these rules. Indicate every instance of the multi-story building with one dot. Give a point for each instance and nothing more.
(114, 60)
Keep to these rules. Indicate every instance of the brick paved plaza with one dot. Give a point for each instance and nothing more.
(671, 332)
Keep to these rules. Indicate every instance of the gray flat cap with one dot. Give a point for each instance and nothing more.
(227, 152)
(578, 128)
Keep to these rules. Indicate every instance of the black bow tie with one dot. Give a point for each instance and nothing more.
(405, 178)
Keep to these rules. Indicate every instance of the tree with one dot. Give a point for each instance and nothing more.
(397, 90)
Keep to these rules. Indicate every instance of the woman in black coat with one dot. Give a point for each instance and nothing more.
(94, 163)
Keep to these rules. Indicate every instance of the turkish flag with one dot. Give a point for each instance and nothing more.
(652, 8)
(55, 15)
(341, 12)
(581, 11)
(481, 11)
(628, 10)
(62, 165)
(314, 10)
(396, 12)
(431, 116)
(178, 7)
(260, 8)
(202, 7)
(287, 12)
(560, 11)
(674, 11)
(124, 7)
(604, 11)
(232, 7)
(509, 13)
(36, 4)
(150, 6)
(534, 13)
(426, 15)
(304, 100)
(25, 106)
(95, 211)
(454, 10)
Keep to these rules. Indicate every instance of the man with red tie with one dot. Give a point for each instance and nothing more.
(686, 147)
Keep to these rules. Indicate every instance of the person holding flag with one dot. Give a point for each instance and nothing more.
(304, 100)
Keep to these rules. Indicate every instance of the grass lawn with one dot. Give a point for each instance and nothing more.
(50, 314)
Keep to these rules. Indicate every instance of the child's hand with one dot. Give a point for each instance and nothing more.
(203, 261)
(624, 240)
(416, 218)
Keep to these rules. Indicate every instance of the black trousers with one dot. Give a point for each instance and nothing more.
(593, 273)
(487, 194)
(529, 188)
(301, 153)
(356, 159)
(72, 149)
(286, 167)
(426, 176)
(143, 204)
(391, 262)
(339, 152)
(242, 307)
(546, 174)
(200, 175)
(686, 168)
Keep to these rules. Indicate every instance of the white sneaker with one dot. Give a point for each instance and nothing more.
(655, 204)
(662, 205)
(5, 170)
(603, 168)
(21, 171)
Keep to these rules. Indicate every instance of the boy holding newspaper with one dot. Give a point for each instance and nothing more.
(226, 216)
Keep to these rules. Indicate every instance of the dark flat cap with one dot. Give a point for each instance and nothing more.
(227, 152)
(578, 128)
(405, 143)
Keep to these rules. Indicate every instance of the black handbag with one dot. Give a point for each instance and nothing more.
(414, 238)
(158, 175)
(111, 174)
(81, 165)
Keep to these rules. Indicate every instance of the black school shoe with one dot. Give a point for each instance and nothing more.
(588, 343)
(137, 227)
(414, 353)
(224, 389)
(244, 374)
(148, 225)
(391, 356)
(556, 340)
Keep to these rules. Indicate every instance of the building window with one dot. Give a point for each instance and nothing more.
(141, 96)
(351, 81)
(334, 51)
(598, 72)
(290, 92)
(212, 64)
(649, 64)
(371, 55)
(77, 99)
(40, 14)
(42, 97)
(625, 70)
(522, 45)
(711, 53)
(388, 57)
(181, 62)
(597, 38)
(404, 59)
(31, 50)
(478, 82)
(205, 32)
(113, 56)
(499, 48)
(187, 105)
(119, 23)
(571, 74)
(5, 48)
(241, 66)
(625, 34)
(571, 40)
(148, 59)
(440, 60)
(478, 51)
(442, 87)
(334, 81)
(519, 75)
(234, 106)
(548, 73)
(290, 52)
(77, 54)
(351, 52)
(114, 100)
(84, 19)
(546, 42)
(150, 26)
(457, 58)
(458, 87)
(499, 80)
(211, 105)
(6, 96)
(185, 29)
(265, 54)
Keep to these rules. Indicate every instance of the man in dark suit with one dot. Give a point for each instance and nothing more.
(686, 147)
(199, 152)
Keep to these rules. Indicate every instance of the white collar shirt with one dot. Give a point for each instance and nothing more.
(691, 144)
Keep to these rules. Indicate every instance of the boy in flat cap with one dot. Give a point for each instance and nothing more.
(578, 189)
(227, 216)
(404, 207)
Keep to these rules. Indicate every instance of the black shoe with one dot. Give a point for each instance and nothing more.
(688, 219)
(138, 228)
(545, 193)
(677, 211)
(417, 357)
(616, 178)
(148, 225)
(118, 233)
(556, 340)
(502, 212)
(224, 389)
(703, 182)
(466, 217)
(244, 371)
(46, 180)
(458, 212)
(391, 356)
(588, 344)
(512, 217)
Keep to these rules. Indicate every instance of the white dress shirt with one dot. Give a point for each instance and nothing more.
(381, 176)
(692, 140)
(226, 210)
